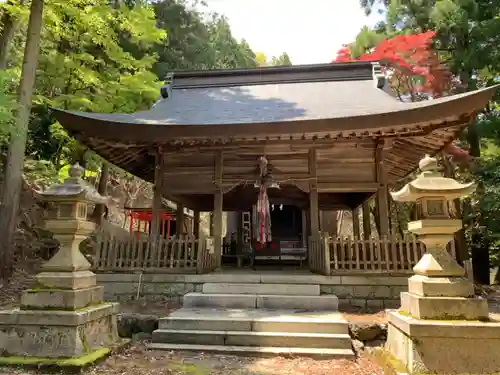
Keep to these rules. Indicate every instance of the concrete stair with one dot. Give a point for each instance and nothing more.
(250, 319)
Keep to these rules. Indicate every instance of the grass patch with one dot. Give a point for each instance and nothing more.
(188, 369)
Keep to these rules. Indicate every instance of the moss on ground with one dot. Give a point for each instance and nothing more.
(75, 362)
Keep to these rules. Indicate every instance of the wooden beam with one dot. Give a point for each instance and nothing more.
(157, 195)
(313, 193)
(217, 213)
(345, 187)
(382, 204)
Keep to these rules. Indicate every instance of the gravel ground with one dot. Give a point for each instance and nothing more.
(137, 360)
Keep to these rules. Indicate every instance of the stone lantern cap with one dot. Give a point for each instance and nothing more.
(74, 188)
(431, 184)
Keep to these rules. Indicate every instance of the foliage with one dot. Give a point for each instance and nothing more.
(8, 82)
(414, 67)
(194, 43)
(281, 60)
(107, 56)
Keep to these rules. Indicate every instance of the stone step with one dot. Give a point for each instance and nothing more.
(259, 339)
(260, 351)
(265, 289)
(256, 320)
(252, 301)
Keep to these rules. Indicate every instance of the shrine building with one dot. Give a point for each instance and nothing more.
(315, 139)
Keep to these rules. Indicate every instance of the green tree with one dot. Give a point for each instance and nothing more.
(17, 143)
(282, 59)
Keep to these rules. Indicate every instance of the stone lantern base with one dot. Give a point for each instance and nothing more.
(442, 328)
(444, 346)
(64, 323)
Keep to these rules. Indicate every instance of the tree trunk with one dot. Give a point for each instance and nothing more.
(10, 25)
(17, 146)
(99, 210)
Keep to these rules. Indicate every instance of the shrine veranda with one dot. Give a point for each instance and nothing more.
(333, 136)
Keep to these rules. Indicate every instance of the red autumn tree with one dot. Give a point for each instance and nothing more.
(414, 70)
(411, 63)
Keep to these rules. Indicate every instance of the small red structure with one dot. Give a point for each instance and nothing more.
(143, 218)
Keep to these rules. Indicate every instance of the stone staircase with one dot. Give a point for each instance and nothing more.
(274, 319)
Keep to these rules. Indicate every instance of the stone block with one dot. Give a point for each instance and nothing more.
(392, 303)
(121, 288)
(56, 334)
(397, 290)
(290, 340)
(222, 324)
(358, 302)
(375, 303)
(299, 279)
(50, 299)
(119, 277)
(325, 302)
(170, 289)
(341, 291)
(444, 347)
(374, 280)
(444, 308)
(189, 337)
(440, 286)
(277, 289)
(220, 300)
(67, 280)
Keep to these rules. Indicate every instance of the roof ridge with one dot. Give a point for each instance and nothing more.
(272, 75)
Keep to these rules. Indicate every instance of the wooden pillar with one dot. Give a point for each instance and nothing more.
(157, 196)
(382, 203)
(304, 228)
(367, 228)
(217, 214)
(196, 223)
(179, 219)
(313, 193)
(355, 223)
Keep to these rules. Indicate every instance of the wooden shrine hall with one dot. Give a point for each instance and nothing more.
(331, 136)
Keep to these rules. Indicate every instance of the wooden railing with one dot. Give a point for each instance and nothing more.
(375, 255)
(183, 254)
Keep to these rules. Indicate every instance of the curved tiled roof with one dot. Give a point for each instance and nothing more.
(316, 102)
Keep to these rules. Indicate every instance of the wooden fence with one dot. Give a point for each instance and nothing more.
(376, 255)
(183, 254)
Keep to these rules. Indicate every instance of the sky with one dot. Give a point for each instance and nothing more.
(309, 31)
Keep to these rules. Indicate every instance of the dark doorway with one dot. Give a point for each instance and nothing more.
(286, 222)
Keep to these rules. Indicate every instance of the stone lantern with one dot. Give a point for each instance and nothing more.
(437, 274)
(441, 326)
(65, 315)
(68, 220)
